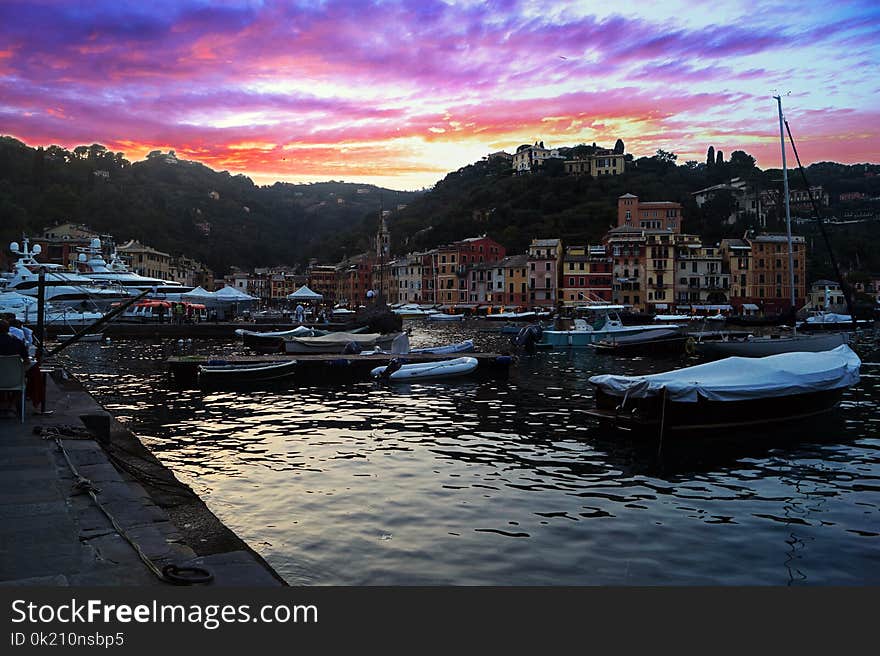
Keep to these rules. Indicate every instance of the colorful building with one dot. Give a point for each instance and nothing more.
(545, 258)
(586, 275)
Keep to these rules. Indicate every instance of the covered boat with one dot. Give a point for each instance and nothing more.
(440, 316)
(729, 393)
(246, 372)
(461, 347)
(512, 316)
(272, 340)
(441, 369)
(338, 342)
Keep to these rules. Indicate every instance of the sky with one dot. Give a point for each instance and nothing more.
(398, 93)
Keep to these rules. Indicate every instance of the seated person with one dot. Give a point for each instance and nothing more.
(10, 345)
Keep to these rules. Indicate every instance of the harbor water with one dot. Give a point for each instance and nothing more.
(503, 482)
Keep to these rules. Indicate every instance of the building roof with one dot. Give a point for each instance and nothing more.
(545, 242)
(135, 245)
(777, 238)
(659, 203)
(628, 196)
(825, 283)
(513, 261)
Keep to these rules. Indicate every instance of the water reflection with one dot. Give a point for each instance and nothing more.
(503, 482)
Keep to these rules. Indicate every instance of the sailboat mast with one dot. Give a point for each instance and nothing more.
(787, 208)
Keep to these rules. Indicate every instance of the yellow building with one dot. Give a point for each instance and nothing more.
(145, 260)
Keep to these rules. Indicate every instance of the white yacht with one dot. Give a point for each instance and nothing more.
(93, 265)
(63, 288)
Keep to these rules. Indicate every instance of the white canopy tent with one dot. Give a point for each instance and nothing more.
(198, 294)
(231, 294)
(305, 294)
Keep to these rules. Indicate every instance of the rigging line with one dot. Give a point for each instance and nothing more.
(844, 285)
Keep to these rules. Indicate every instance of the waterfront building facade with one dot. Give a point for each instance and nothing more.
(545, 256)
(586, 275)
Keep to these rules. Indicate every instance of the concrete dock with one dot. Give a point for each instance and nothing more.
(52, 532)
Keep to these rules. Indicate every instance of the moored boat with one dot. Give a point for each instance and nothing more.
(604, 324)
(655, 341)
(461, 347)
(422, 370)
(759, 346)
(246, 372)
(439, 316)
(339, 342)
(731, 393)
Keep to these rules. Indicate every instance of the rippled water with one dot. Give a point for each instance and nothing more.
(503, 481)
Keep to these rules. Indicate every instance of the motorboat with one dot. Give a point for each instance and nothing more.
(439, 369)
(246, 372)
(62, 288)
(512, 316)
(413, 311)
(461, 347)
(92, 264)
(340, 342)
(601, 323)
(831, 321)
(655, 341)
(439, 316)
(723, 345)
(94, 337)
(731, 393)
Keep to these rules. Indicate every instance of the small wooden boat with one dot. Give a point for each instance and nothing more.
(442, 369)
(439, 316)
(461, 347)
(730, 393)
(245, 372)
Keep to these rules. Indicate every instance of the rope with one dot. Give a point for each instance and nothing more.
(170, 573)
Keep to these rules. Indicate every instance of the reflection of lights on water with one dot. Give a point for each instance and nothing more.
(321, 473)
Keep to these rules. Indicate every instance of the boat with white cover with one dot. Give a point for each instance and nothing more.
(439, 316)
(443, 369)
(731, 393)
(338, 342)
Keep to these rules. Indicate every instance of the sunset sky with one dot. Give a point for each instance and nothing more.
(400, 93)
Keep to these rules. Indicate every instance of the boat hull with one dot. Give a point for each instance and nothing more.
(430, 370)
(247, 373)
(759, 347)
(584, 338)
(645, 415)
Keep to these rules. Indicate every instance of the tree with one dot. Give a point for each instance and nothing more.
(710, 156)
(719, 158)
(665, 157)
(618, 147)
